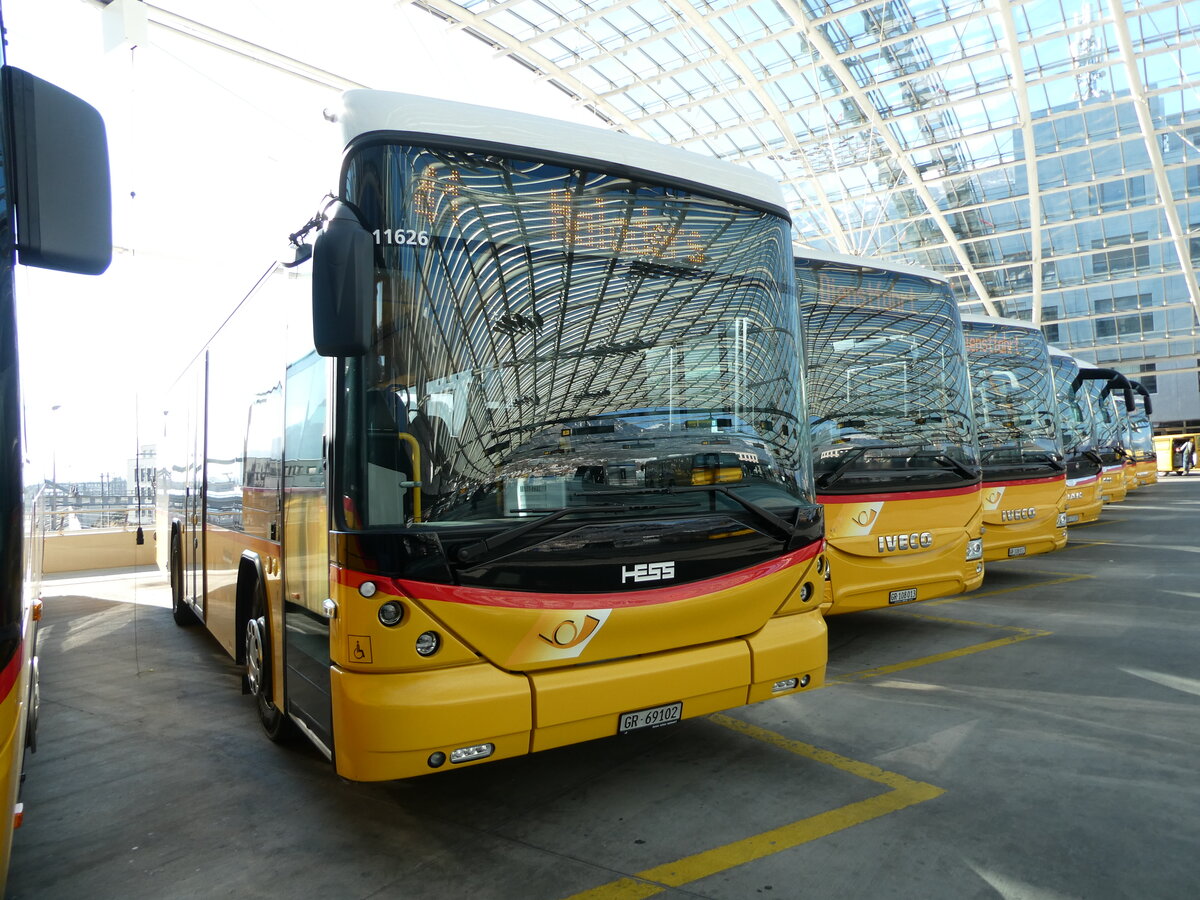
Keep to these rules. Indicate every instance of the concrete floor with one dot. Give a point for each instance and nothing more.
(1035, 739)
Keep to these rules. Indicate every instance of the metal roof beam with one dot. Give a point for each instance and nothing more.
(1138, 90)
(817, 39)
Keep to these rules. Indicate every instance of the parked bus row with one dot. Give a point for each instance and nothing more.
(543, 434)
(944, 442)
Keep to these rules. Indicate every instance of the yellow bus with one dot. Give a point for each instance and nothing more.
(1020, 444)
(895, 450)
(54, 186)
(1077, 422)
(1100, 383)
(1140, 437)
(426, 522)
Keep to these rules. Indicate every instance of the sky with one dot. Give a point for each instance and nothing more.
(215, 160)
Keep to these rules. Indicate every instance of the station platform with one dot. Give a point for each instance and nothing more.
(1036, 738)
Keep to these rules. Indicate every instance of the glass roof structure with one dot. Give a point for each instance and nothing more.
(1043, 155)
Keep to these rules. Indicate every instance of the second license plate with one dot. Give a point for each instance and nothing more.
(667, 714)
(902, 596)
(1016, 551)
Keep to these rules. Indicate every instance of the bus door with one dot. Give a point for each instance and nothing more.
(306, 547)
(194, 490)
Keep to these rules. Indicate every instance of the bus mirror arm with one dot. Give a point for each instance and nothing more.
(343, 285)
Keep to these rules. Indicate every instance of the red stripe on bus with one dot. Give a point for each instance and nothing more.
(475, 596)
(896, 495)
(1048, 480)
(11, 672)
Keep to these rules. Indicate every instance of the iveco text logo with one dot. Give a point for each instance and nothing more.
(916, 540)
(658, 571)
(1074, 495)
(1017, 515)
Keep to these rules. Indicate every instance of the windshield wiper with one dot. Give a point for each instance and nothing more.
(786, 527)
(762, 512)
(825, 479)
(950, 462)
(476, 551)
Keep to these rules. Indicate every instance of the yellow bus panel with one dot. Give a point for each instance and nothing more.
(885, 549)
(1024, 518)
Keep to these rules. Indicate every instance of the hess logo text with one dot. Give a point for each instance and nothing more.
(655, 571)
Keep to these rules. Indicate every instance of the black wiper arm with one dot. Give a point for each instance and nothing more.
(476, 551)
(951, 463)
(762, 512)
(825, 479)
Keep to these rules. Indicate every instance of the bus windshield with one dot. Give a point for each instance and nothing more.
(549, 337)
(1141, 437)
(1015, 402)
(1109, 427)
(1074, 407)
(887, 380)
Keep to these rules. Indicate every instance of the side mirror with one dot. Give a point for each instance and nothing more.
(343, 285)
(61, 186)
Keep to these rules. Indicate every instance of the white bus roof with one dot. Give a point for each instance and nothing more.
(1000, 320)
(866, 262)
(1082, 363)
(365, 112)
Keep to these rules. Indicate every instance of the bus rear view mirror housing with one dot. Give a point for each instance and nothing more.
(61, 186)
(343, 285)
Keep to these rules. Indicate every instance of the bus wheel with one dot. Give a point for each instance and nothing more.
(258, 671)
(180, 611)
(35, 705)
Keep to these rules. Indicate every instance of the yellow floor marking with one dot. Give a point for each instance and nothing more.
(904, 792)
(1018, 634)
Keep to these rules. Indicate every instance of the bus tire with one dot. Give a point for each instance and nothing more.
(259, 655)
(180, 611)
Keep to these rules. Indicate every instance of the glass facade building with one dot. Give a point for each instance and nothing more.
(1043, 155)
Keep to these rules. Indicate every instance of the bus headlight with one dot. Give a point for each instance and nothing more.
(428, 643)
(974, 549)
(391, 613)
(466, 754)
(1061, 521)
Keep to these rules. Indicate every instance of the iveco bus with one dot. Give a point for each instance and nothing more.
(1141, 437)
(1099, 383)
(536, 470)
(894, 444)
(1020, 445)
(1077, 422)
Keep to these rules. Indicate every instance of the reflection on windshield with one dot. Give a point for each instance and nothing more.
(1074, 407)
(887, 379)
(1015, 403)
(551, 335)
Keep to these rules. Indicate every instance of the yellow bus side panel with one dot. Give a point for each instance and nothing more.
(12, 746)
(863, 575)
(788, 646)
(1020, 519)
(386, 726)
